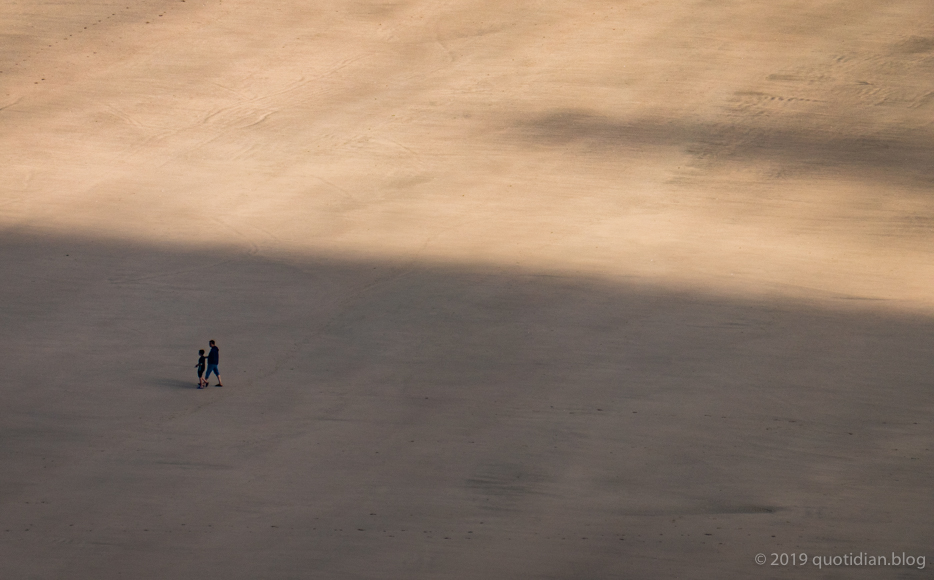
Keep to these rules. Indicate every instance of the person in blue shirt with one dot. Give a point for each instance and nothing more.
(213, 357)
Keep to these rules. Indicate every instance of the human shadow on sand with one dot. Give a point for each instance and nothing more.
(176, 383)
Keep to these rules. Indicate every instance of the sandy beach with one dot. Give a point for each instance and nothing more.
(551, 290)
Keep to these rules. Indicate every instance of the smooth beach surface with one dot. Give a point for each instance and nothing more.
(559, 290)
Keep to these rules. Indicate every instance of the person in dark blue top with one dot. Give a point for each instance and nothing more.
(213, 357)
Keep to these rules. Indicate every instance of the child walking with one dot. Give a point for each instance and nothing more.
(202, 361)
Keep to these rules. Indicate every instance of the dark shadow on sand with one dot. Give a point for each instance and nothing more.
(894, 153)
(442, 421)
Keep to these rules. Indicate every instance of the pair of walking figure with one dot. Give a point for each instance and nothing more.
(210, 363)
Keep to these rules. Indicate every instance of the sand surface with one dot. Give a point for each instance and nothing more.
(564, 290)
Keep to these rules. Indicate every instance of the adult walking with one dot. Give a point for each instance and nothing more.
(213, 357)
